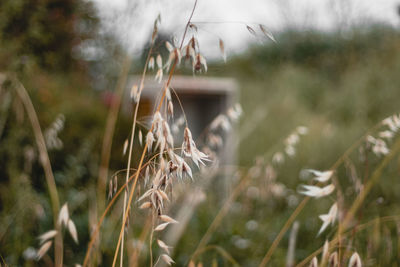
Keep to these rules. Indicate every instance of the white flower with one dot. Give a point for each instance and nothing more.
(43, 249)
(162, 245)
(151, 63)
(302, 130)
(235, 112)
(386, 134)
(199, 62)
(63, 216)
(167, 259)
(174, 56)
(159, 61)
(333, 259)
(278, 158)
(190, 150)
(220, 121)
(355, 260)
(328, 218)
(149, 140)
(314, 262)
(321, 176)
(292, 139)
(72, 231)
(169, 46)
(290, 150)
(189, 52)
(317, 192)
(48, 235)
(380, 148)
(392, 122)
(325, 251)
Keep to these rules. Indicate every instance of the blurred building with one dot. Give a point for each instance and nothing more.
(202, 99)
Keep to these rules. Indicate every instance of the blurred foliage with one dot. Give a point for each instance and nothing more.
(44, 32)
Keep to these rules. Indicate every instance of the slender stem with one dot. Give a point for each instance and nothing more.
(140, 164)
(159, 257)
(45, 161)
(131, 140)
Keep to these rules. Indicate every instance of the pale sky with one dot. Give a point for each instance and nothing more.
(131, 21)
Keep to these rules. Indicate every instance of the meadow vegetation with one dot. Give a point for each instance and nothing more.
(311, 101)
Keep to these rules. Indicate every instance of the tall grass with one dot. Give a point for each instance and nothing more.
(167, 207)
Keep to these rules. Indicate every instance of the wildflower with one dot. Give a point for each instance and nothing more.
(355, 260)
(167, 259)
(189, 52)
(151, 63)
(161, 227)
(159, 61)
(251, 30)
(199, 62)
(182, 167)
(266, 32)
(167, 219)
(185, 170)
(166, 134)
(125, 147)
(321, 176)
(162, 245)
(328, 218)
(168, 94)
(333, 259)
(48, 235)
(290, 151)
(140, 136)
(317, 192)
(72, 231)
(149, 140)
(63, 216)
(325, 251)
(220, 121)
(314, 262)
(235, 112)
(386, 134)
(174, 55)
(169, 46)
(278, 158)
(156, 196)
(303, 130)
(292, 139)
(43, 249)
(190, 150)
(145, 205)
(170, 109)
(380, 148)
(393, 122)
(134, 93)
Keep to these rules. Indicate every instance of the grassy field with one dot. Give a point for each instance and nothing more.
(340, 86)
